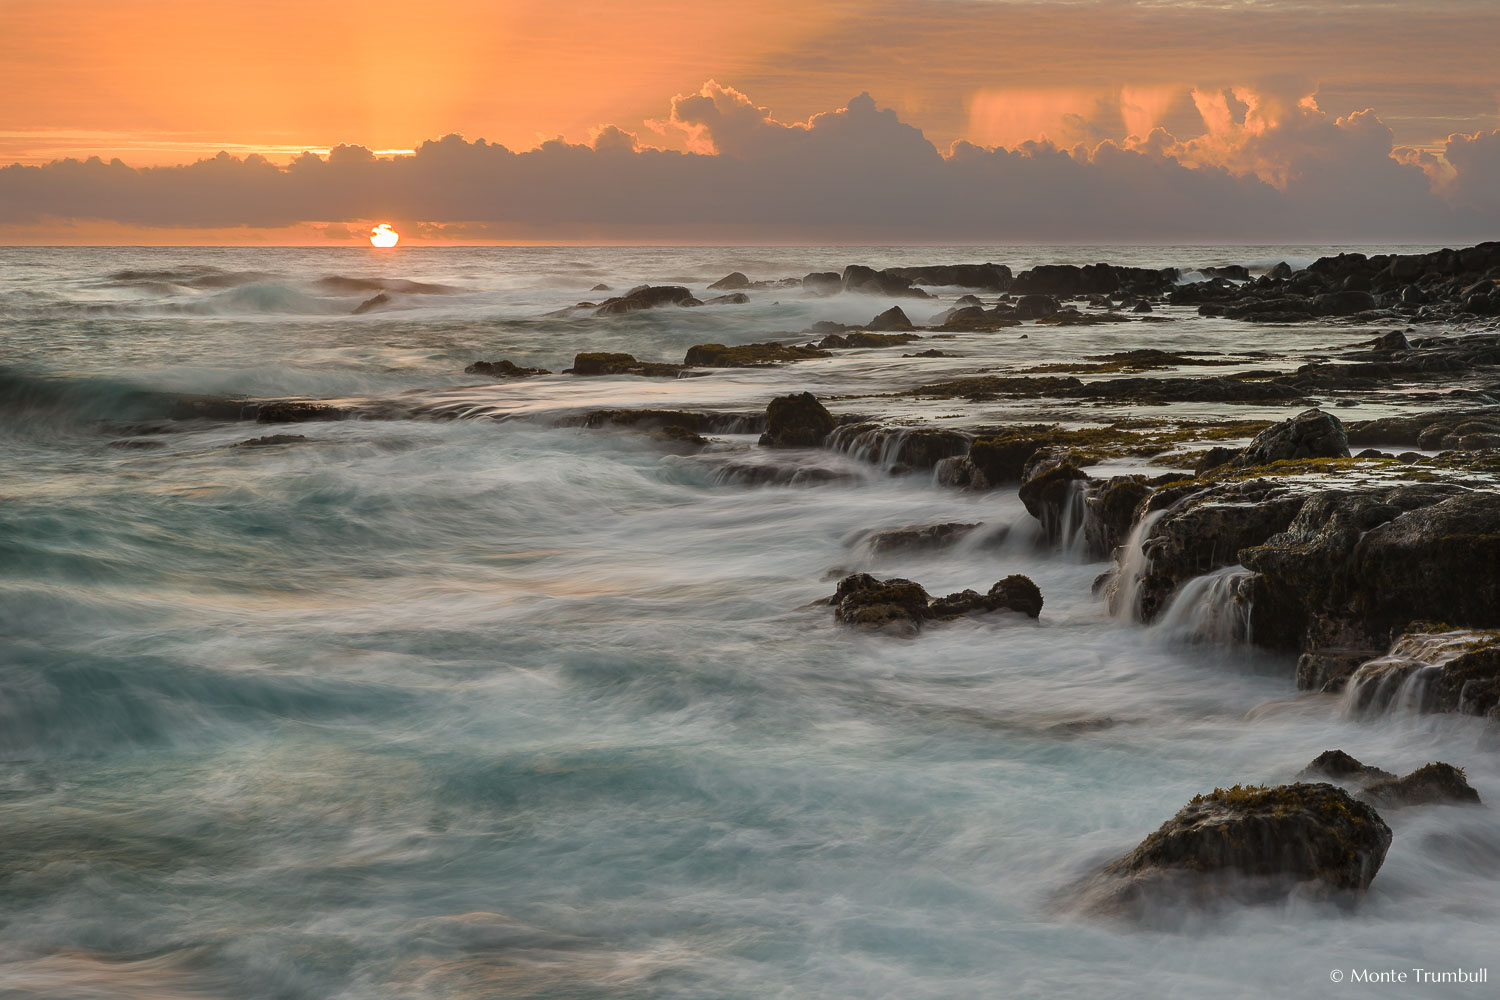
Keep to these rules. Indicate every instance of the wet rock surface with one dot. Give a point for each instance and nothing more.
(1250, 844)
(503, 369)
(862, 599)
(797, 421)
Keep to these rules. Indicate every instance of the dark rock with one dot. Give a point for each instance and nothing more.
(1249, 843)
(1340, 766)
(1434, 784)
(1143, 307)
(1016, 593)
(859, 338)
(1054, 495)
(138, 444)
(797, 421)
(891, 320)
(732, 299)
(373, 302)
(604, 363)
(1393, 341)
(771, 474)
(1345, 303)
(924, 538)
(647, 297)
(270, 439)
(988, 277)
(1112, 512)
(1036, 307)
(503, 369)
(654, 419)
(1213, 458)
(907, 447)
(601, 287)
(863, 600)
(1329, 669)
(1310, 434)
(747, 355)
(868, 281)
(732, 281)
(823, 283)
(1355, 567)
(295, 411)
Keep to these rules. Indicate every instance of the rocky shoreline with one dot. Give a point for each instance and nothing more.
(1365, 551)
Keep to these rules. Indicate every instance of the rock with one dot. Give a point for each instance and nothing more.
(1053, 494)
(732, 299)
(751, 473)
(890, 320)
(295, 411)
(138, 444)
(1328, 669)
(732, 281)
(1142, 307)
(1016, 593)
(1393, 341)
(962, 603)
(270, 439)
(647, 297)
(503, 369)
(373, 302)
(868, 281)
(1213, 458)
(823, 283)
(1310, 434)
(1457, 670)
(1036, 307)
(863, 600)
(1112, 512)
(1251, 843)
(1201, 527)
(1430, 785)
(826, 326)
(601, 287)
(797, 421)
(987, 277)
(604, 363)
(747, 355)
(858, 338)
(1343, 303)
(903, 447)
(1340, 766)
(914, 539)
(647, 418)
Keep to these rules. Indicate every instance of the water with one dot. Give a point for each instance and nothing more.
(500, 706)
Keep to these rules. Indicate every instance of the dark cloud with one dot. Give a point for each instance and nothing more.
(1269, 168)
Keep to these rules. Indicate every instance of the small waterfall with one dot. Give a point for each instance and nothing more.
(1071, 533)
(1125, 593)
(1214, 607)
(1397, 682)
(894, 448)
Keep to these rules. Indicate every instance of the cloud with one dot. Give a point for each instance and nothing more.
(1268, 166)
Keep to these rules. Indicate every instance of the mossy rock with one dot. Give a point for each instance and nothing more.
(796, 421)
(747, 355)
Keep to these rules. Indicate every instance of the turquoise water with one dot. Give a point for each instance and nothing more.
(497, 707)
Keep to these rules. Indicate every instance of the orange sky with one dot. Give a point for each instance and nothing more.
(158, 82)
(163, 81)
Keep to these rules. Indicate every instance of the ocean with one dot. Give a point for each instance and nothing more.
(461, 699)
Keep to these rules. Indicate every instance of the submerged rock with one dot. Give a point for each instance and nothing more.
(1248, 844)
(1430, 785)
(918, 538)
(861, 599)
(797, 421)
(1340, 766)
(747, 355)
(604, 363)
(269, 440)
(503, 369)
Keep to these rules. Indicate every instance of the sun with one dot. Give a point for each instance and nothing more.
(384, 236)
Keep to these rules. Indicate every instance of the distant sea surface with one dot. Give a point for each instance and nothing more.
(462, 700)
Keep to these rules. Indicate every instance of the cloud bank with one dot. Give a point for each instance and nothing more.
(1268, 166)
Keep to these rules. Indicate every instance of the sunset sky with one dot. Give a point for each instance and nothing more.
(1257, 98)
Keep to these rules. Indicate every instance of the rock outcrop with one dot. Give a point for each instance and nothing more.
(797, 421)
(1248, 844)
